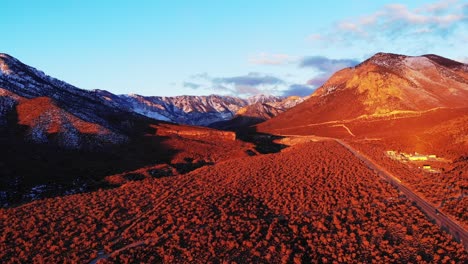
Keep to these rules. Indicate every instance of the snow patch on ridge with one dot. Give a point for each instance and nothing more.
(151, 114)
(418, 63)
(4, 69)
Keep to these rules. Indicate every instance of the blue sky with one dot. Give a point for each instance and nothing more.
(222, 47)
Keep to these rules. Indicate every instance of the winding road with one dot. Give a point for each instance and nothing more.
(446, 223)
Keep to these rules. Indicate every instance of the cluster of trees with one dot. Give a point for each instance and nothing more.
(310, 203)
(447, 189)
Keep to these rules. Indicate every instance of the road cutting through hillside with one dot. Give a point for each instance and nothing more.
(446, 223)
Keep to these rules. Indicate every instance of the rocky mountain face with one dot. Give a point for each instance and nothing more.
(57, 139)
(45, 109)
(55, 111)
(257, 113)
(190, 110)
(384, 85)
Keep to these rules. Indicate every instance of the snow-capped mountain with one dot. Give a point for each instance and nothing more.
(53, 110)
(44, 109)
(264, 99)
(59, 139)
(385, 85)
(190, 110)
(258, 112)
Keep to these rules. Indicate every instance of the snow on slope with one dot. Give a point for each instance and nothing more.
(383, 85)
(56, 102)
(258, 112)
(95, 106)
(192, 110)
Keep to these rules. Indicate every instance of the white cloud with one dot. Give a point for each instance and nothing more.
(314, 37)
(398, 21)
(249, 84)
(437, 6)
(272, 59)
(422, 30)
(350, 26)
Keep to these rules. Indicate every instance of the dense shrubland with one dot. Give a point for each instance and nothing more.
(447, 189)
(314, 202)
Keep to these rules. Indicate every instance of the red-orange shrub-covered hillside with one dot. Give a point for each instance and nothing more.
(407, 114)
(385, 85)
(57, 139)
(313, 202)
(371, 168)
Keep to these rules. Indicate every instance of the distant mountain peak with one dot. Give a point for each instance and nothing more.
(263, 98)
(258, 112)
(387, 60)
(383, 85)
(5, 56)
(191, 109)
(390, 60)
(386, 55)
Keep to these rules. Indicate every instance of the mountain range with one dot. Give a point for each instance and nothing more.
(69, 113)
(36, 108)
(257, 112)
(371, 167)
(387, 96)
(190, 110)
(71, 138)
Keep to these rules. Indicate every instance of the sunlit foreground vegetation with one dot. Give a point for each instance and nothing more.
(447, 189)
(312, 202)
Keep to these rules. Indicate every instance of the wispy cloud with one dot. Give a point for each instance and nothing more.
(397, 21)
(437, 16)
(251, 79)
(298, 90)
(434, 16)
(191, 85)
(325, 67)
(318, 80)
(200, 76)
(324, 64)
(272, 59)
(255, 83)
(316, 37)
(252, 83)
(437, 7)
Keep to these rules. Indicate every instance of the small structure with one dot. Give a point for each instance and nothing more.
(427, 167)
(402, 156)
(417, 157)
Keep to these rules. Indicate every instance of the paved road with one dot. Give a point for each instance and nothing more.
(442, 220)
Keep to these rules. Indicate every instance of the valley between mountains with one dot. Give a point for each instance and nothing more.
(371, 167)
